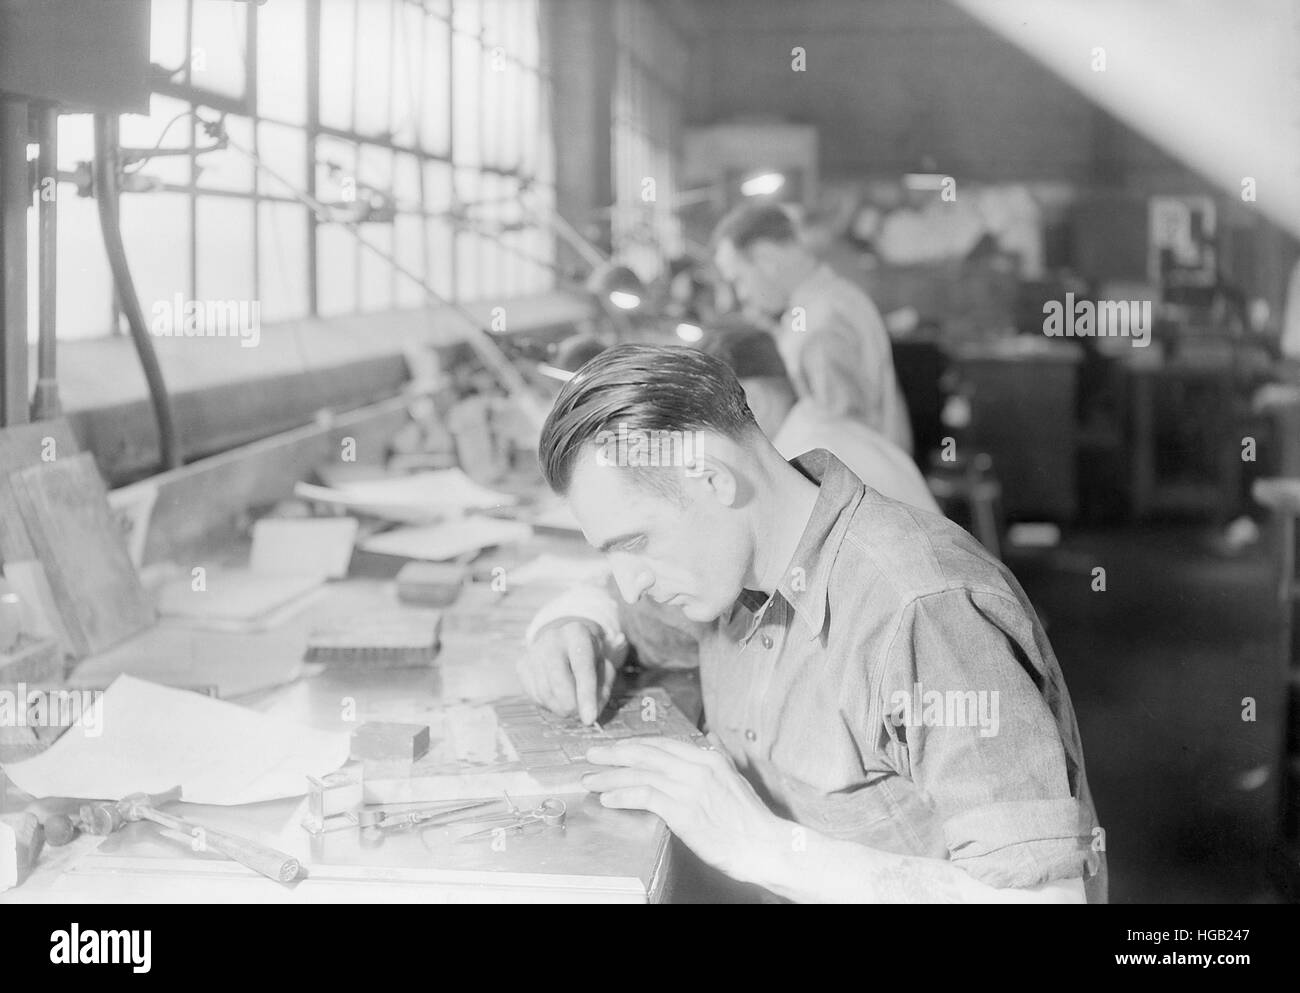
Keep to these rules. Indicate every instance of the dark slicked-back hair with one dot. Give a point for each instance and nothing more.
(641, 388)
(754, 222)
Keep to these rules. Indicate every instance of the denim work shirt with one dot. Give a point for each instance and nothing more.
(897, 690)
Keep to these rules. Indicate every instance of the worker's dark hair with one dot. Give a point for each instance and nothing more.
(754, 222)
(748, 350)
(641, 388)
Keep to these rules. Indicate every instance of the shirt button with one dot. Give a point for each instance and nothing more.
(767, 641)
(751, 736)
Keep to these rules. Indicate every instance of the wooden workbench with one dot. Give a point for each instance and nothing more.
(601, 855)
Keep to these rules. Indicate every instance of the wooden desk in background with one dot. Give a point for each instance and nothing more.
(602, 855)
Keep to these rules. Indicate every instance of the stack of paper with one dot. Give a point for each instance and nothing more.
(419, 498)
(440, 542)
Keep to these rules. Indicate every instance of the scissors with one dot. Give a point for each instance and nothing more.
(549, 813)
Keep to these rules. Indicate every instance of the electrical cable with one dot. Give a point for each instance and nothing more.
(107, 201)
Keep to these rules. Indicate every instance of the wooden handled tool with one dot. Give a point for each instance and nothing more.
(260, 858)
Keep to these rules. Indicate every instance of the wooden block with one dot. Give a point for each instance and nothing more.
(381, 741)
(21, 447)
(21, 841)
(435, 584)
(96, 590)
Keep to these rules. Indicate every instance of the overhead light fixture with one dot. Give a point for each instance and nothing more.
(690, 333)
(619, 285)
(763, 184)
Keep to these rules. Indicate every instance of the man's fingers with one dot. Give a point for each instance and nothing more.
(582, 663)
(559, 680)
(524, 670)
(643, 798)
(657, 746)
(640, 753)
(613, 780)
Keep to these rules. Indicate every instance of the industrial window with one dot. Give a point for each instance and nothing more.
(649, 94)
(404, 108)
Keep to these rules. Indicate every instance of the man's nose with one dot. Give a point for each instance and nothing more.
(632, 577)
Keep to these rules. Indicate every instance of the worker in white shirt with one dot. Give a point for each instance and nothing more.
(796, 426)
(831, 336)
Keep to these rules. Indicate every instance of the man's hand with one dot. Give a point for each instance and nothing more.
(699, 792)
(565, 670)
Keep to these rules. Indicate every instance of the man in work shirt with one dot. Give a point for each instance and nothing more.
(889, 719)
(831, 335)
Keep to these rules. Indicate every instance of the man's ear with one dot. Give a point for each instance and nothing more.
(708, 476)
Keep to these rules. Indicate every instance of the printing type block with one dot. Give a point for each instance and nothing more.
(380, 741)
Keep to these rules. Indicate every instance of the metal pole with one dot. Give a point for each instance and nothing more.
(15, 198)
(45, 400)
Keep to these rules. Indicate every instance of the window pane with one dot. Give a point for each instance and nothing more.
(85, 283)
(337, 40)
(282, 61)
(376, 274)
(218, 59)
(406, 182)
(375, 62)
(284, 150)
(408, 73)
(435, 92)
(156, 233)
(282, 257)
(437, 187)
(438, 234)
(225, 249)
(467, 65)
(336, 267)
(410, 253)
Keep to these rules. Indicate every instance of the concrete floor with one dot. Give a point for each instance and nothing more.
(1158, 666)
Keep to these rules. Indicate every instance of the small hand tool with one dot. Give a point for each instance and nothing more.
(431, 816)
(549, 813)
(105, 818)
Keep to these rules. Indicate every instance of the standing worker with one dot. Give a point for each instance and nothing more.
(831, 335)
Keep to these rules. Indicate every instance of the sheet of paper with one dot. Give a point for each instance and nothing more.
(440, 542)
(151, 738)
(423, 496)
(313, 546)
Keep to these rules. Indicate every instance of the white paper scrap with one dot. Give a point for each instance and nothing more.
(142, 737)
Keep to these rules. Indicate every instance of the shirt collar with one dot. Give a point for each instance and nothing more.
(806, 581)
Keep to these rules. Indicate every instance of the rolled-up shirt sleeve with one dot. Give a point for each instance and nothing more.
(962, 701)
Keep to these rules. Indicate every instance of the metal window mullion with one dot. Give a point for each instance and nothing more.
(250, 86)
(193, 157)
